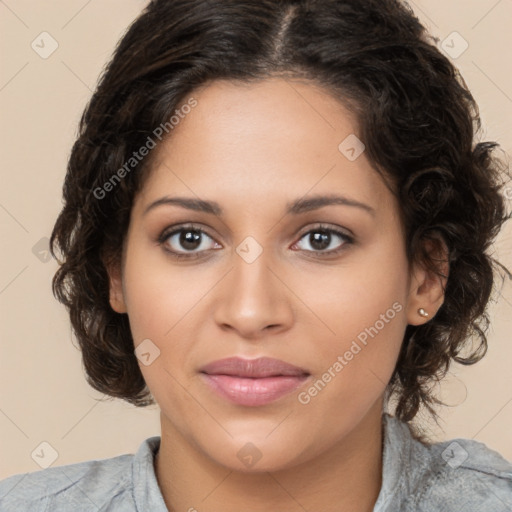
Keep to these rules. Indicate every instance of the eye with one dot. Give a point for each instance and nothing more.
(189, 241)
(186, 241)
(322, 239)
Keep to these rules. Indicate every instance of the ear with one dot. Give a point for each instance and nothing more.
(427, 288)
(116, 292)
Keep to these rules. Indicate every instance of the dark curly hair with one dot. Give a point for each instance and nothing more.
(417, 118)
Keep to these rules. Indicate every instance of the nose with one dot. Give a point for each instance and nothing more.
(254, 299)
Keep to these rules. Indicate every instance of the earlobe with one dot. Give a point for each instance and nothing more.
(427, 289)
(116, 293)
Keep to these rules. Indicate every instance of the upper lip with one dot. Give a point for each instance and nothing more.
(256, 368)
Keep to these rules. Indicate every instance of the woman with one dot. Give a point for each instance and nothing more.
(276, 221)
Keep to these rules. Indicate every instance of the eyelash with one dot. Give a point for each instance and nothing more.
(166, 234)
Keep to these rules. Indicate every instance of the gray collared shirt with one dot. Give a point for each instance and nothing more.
(451, 476)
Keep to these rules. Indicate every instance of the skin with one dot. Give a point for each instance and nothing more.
(252, 149)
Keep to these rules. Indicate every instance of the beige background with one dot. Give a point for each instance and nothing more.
(44, 396)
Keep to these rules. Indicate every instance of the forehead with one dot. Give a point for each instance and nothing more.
(252, 142)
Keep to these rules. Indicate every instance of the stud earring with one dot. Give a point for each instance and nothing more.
(422, 312)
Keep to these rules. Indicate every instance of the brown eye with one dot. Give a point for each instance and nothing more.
(189, 240)
(185, 241)
(325, 240)
(319, 240)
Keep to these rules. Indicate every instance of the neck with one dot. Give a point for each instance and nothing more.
(348, 476)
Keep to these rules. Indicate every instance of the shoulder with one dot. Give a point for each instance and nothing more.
(454, 475)
(466, 473)
(83, 486)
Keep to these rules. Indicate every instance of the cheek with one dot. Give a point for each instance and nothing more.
(159, 293)
(371, 288)
(364, 343)
(166, 306)
(363, 309)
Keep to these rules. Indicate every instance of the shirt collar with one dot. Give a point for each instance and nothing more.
(146, 492)
(396, 466)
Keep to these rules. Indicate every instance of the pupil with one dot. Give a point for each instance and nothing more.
(320, 240)
(190, 239)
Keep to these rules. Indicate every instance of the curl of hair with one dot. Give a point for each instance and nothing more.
(416, 117)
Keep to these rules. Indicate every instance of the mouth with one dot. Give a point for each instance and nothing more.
(253, 368)
(253, 382)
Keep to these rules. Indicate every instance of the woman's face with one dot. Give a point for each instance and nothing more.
(301, 259)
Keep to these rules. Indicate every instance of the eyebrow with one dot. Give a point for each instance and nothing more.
(296, 207)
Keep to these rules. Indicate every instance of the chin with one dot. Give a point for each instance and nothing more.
(258, 455)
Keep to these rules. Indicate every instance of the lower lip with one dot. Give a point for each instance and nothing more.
(251, 391)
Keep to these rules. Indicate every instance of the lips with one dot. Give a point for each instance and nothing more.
(253, 382)
(253, 368)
